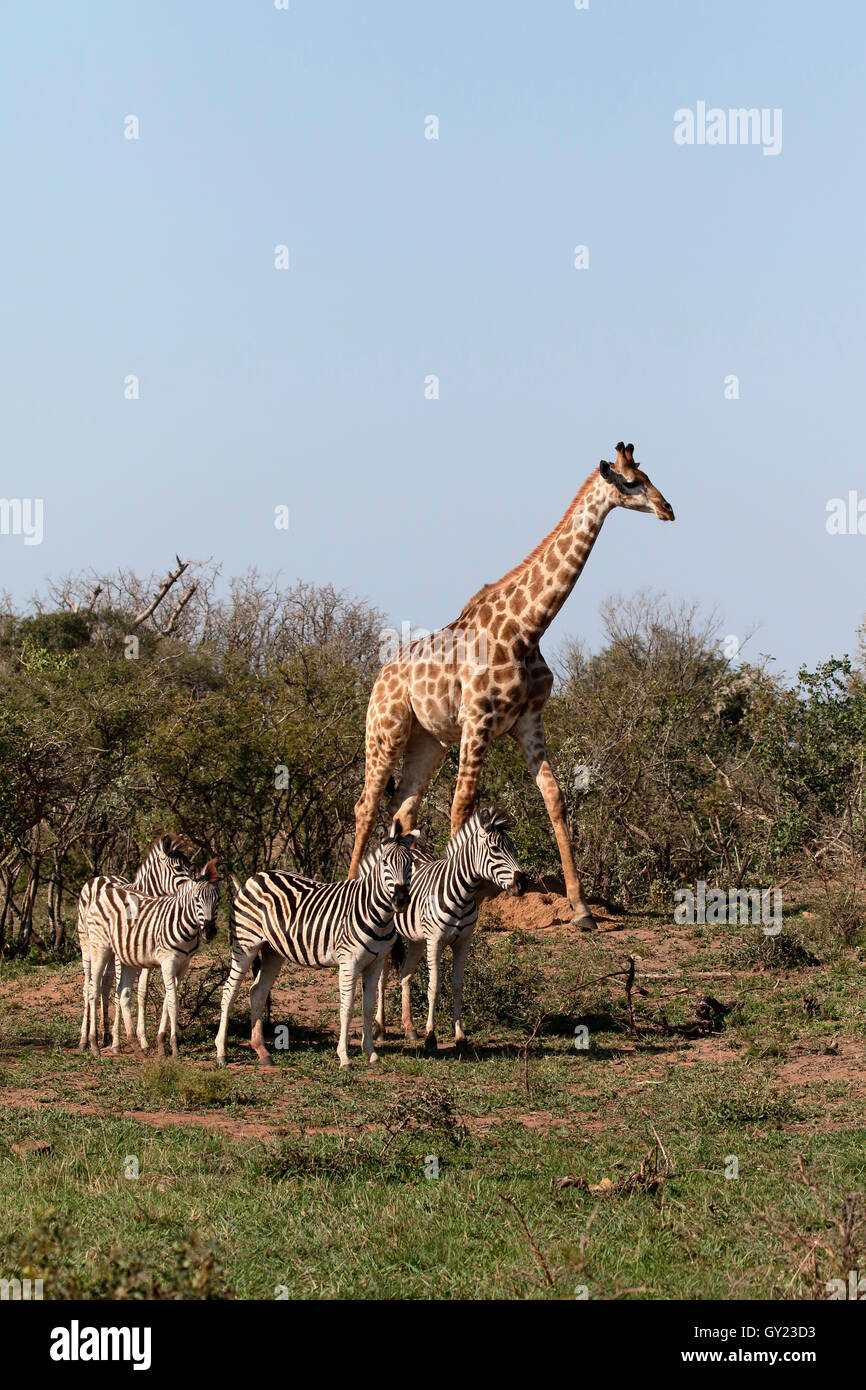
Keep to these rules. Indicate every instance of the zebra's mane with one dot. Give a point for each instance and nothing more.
(485, 818)
(367, 863)
(166, 846)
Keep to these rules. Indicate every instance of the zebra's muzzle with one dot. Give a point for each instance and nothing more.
(518, 885)
(401, 899)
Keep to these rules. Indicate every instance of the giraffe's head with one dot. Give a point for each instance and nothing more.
(628, 485)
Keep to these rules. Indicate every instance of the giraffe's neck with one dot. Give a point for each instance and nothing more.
(536, 589)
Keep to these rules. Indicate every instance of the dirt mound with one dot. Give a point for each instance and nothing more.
(543, 905)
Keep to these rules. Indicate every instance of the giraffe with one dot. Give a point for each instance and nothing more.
(483, 676)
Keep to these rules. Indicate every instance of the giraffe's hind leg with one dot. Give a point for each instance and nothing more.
(424, 754)
(389, 723)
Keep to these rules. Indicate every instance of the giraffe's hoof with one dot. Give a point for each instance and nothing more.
(266, 1060)
(584, 921)
(373, 1059)
(220, 1061)
(461, 1046)
(411, 1035)
(430, 1043)
(378, 1032)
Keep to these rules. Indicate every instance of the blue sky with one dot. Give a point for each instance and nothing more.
(453, 257)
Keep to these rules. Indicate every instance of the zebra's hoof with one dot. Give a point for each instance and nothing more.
(430, 1043)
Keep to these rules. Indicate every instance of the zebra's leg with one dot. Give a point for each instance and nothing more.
(434, 957)
(105, 993)
(169, 1008)
(98, 964)
(379, 1029)
(141, 1030)
(85, 1018)
(241, 962)
(271, 965)
(349, 971)
(460, 952)
(124, 996)
(369, 990)
(414, 952)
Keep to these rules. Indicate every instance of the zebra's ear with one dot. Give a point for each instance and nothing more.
(210, 871)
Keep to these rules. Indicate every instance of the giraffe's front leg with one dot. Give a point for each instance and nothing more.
(529, 734)
(474, 743)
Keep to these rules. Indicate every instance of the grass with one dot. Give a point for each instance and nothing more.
(437, 1178)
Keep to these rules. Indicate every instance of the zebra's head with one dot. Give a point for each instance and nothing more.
(394, 865)
(206, 899)
(493, 856)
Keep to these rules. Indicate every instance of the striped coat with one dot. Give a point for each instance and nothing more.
(164, 867)
(444, 912)
(282, 916)
(142, 933)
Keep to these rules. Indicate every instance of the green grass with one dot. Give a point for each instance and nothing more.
(304, 1181)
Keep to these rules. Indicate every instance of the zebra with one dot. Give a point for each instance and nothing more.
(282, 916)
(163, 868)
(444, 912)
(141, 933)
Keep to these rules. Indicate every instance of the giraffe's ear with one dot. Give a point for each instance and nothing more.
(396, 830)
(604, 470)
